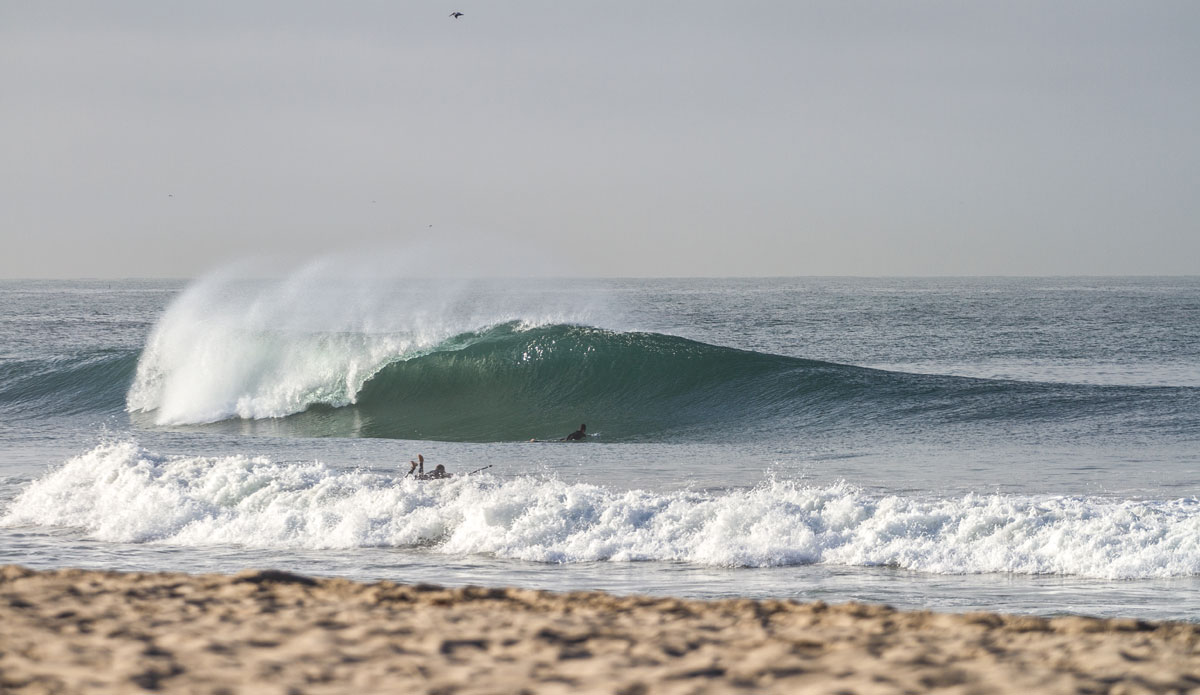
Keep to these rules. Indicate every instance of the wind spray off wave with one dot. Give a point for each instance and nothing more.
(121, 493)
(231, 347)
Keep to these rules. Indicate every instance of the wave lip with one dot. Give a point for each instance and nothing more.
(121, 493)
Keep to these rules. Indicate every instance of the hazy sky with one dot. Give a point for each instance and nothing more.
(149, 139)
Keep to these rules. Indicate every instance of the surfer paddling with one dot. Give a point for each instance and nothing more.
(437, 473)
(418, 466)
(576, 436)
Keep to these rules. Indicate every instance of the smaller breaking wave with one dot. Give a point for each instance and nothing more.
(119, 492)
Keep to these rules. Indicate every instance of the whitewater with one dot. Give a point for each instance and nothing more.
(120, 493)
(1022, 445)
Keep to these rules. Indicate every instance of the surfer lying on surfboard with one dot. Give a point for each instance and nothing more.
(576, 436)
(436, 474)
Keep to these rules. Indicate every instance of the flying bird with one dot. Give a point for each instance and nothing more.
(456, 15)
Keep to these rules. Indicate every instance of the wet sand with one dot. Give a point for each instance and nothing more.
(75, 631)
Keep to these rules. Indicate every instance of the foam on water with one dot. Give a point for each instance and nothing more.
(119, 492)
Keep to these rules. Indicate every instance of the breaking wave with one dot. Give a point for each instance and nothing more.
(513, 381)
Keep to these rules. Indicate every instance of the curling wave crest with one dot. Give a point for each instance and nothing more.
(121, 493)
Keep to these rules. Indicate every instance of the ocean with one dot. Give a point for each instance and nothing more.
(1023, 445)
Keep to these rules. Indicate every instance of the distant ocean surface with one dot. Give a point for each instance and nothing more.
(1025, 445)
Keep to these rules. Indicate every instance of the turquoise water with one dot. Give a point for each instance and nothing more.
(1024, 445)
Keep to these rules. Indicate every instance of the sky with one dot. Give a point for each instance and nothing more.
(611, 139)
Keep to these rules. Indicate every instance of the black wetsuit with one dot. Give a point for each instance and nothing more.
(575, 436)
(435, 474)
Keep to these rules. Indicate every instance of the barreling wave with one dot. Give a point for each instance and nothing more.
(325, 352)
(119, 492)
(513, 381)
(90, 382)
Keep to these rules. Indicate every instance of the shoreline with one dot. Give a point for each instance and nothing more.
(89, 631)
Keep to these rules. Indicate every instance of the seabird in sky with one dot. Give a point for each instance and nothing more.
(456, 15)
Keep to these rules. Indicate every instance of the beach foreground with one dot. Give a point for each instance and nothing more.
(73, 631)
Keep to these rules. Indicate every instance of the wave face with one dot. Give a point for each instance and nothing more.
(89, 382)
(499, 383)
(120, 493)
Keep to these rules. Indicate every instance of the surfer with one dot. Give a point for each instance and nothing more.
(576, 436)
(438, 473)
(419, 466)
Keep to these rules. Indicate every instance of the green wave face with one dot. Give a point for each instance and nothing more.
(512, 384)
(90, 382)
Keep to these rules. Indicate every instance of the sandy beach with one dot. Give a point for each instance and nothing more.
(76, 631)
